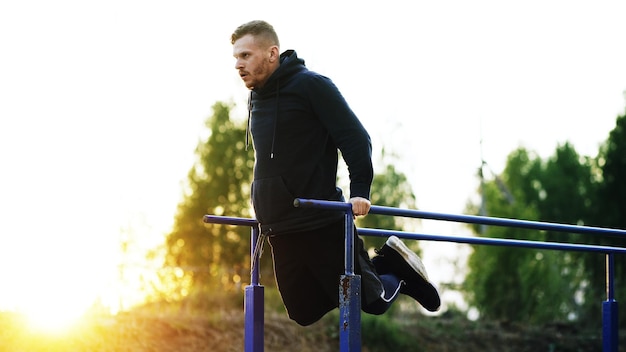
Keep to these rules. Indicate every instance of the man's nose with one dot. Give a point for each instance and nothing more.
(238, 64)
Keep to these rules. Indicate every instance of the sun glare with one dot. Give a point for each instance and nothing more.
(53, 292)
(54, 310)
(53, 319)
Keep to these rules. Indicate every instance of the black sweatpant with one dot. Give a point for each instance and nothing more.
(308, 266)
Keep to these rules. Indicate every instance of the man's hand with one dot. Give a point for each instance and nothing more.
(360, 206)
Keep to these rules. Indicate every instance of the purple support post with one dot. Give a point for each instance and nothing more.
(253, 302)
(349, 296)
(610, 310)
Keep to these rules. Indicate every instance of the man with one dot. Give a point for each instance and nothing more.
(299, 120)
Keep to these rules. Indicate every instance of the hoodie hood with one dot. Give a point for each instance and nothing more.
(290, 64)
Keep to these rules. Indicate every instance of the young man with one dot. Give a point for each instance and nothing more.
(299, 120)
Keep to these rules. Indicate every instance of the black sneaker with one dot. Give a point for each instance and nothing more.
(395, 257)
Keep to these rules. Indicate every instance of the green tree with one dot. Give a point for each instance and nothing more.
(566, 191)
(566, 188)
(212, 255)
(529, 284)
(612, 190)
(608, 211)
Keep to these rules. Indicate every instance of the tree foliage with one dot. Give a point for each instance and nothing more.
(543, 285)
(609, 211)
(514, 283)
(211, 255)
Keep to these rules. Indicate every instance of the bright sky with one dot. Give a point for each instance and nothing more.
(103, 102)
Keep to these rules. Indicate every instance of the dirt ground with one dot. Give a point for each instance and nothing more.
(223, 331)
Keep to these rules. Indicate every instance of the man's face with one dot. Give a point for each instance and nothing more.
(252, 61)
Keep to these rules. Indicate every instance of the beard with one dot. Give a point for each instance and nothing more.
(260, 75)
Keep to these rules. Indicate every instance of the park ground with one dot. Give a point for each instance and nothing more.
(222, 330)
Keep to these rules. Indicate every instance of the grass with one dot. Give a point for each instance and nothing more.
(219, 328)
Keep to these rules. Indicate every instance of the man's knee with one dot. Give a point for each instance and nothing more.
(306, 318)
(377, 307)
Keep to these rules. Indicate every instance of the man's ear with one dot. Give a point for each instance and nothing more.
(274, 54)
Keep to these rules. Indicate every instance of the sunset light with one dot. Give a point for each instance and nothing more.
(53, 318)
(54, 289)
(53, 302)
(107, 165)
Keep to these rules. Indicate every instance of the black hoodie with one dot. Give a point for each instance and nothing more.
(299, 120)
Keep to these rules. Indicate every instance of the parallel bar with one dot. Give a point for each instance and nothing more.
(610, 273)
(349, 233)
(350, 284)
(321, 204)
(610, 311)
(494, 241)
(349, 294)
(350, 313)
(254, 314)
(469, 219)
(609, 307)
(254, 318)
(227, 220)
(254, 302)
(484, 220)
(610, 326)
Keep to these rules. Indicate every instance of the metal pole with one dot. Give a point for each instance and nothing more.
(349, 295)
(253, 302)
(487, 220)
(349, 231)
(609, 307)
(610, 310)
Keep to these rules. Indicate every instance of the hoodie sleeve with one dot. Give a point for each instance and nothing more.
(346, 131)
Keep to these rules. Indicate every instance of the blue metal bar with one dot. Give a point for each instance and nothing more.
(609, 307)
(494, 241)
(610, 312)
(484, 220)
(254, 298)
(349, 233)
(254, 318)
(349, 293)
(469, 219)
(610, 273)
(322, 204)
(227, 220)
(254, 311)
(350, 283)
(350, 313)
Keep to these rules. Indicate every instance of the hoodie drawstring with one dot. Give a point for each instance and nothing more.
(258, 252)
(249, 116)
(275, 120)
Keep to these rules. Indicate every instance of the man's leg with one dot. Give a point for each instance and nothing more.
(397, 259)
(392, 285)
(307, 266)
